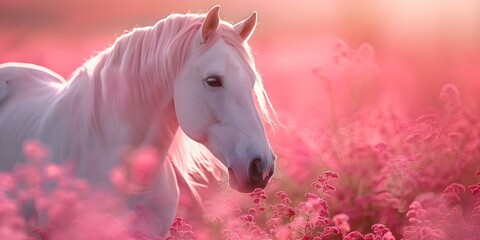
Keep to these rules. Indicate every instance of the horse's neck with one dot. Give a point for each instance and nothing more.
(132, 83)
(124, 96)
(81, 127)
(131, 122)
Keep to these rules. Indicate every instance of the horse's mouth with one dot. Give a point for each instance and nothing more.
(233, 181)
(243, 188)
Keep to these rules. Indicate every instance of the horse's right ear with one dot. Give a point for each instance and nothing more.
(210, 24)
(246, 27)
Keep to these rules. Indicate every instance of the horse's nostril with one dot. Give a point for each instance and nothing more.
(255, 170)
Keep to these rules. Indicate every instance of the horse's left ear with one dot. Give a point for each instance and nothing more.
(246, 27)
(210, 24)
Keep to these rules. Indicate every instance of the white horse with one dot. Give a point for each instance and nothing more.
(191, 73)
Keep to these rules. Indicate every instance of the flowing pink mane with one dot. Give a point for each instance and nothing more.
(167, 45)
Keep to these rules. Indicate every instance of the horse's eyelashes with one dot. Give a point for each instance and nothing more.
(214, 81)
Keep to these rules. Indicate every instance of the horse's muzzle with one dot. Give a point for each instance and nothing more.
(258, 177)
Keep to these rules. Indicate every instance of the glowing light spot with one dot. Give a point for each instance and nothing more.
(58, 86)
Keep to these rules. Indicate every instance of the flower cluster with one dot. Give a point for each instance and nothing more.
(42, 200)
(422, 187)
(281, 218)
(444, 220)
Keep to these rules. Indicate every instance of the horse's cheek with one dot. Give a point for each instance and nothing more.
(192, 113)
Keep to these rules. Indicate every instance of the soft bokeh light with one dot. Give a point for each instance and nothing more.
(385, 93)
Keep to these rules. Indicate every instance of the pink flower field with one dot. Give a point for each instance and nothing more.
(379, 133)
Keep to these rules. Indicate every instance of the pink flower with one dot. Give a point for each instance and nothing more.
(247, 218)
(290, 212)
(341, 220)
(355, 235)
(35, 151)
(450, 96)
(380, 229)
(452, 194)
(144, 164)
(274, 222)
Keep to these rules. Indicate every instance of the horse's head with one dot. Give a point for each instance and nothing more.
(214, 101)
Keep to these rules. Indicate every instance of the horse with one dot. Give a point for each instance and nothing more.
(186, 83)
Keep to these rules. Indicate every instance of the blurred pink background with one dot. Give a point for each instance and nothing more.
(413, 49)
(419, 46)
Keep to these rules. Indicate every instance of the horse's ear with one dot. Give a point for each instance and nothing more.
(210, 24)
(245, 28)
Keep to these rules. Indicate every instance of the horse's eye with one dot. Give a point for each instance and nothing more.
(214, 81)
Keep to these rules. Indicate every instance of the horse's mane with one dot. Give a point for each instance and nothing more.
(166, 45)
